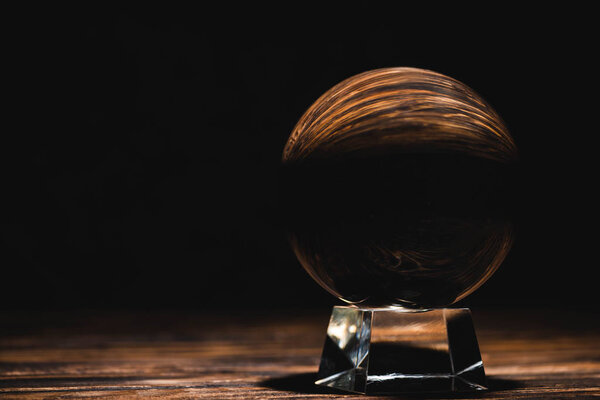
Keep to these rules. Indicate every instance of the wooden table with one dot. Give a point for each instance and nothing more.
(527, 354)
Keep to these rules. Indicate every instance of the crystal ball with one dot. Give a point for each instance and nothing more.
(396, 189)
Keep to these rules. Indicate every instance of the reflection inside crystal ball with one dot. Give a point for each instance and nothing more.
(389, 201)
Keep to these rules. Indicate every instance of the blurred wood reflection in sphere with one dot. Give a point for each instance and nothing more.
(396, 189)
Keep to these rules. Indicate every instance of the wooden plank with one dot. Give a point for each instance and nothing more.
(527, 354)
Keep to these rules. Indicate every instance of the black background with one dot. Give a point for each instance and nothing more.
(144, 173)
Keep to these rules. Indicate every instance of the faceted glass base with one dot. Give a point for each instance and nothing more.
(394, 350)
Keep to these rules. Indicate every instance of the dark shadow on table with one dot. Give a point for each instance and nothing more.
(305, 384)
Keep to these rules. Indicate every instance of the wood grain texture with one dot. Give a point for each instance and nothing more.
(399, 110)
(528, 354)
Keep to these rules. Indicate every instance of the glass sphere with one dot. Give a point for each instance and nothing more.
(396, 189)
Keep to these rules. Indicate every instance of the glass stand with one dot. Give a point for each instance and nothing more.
(395, 350)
